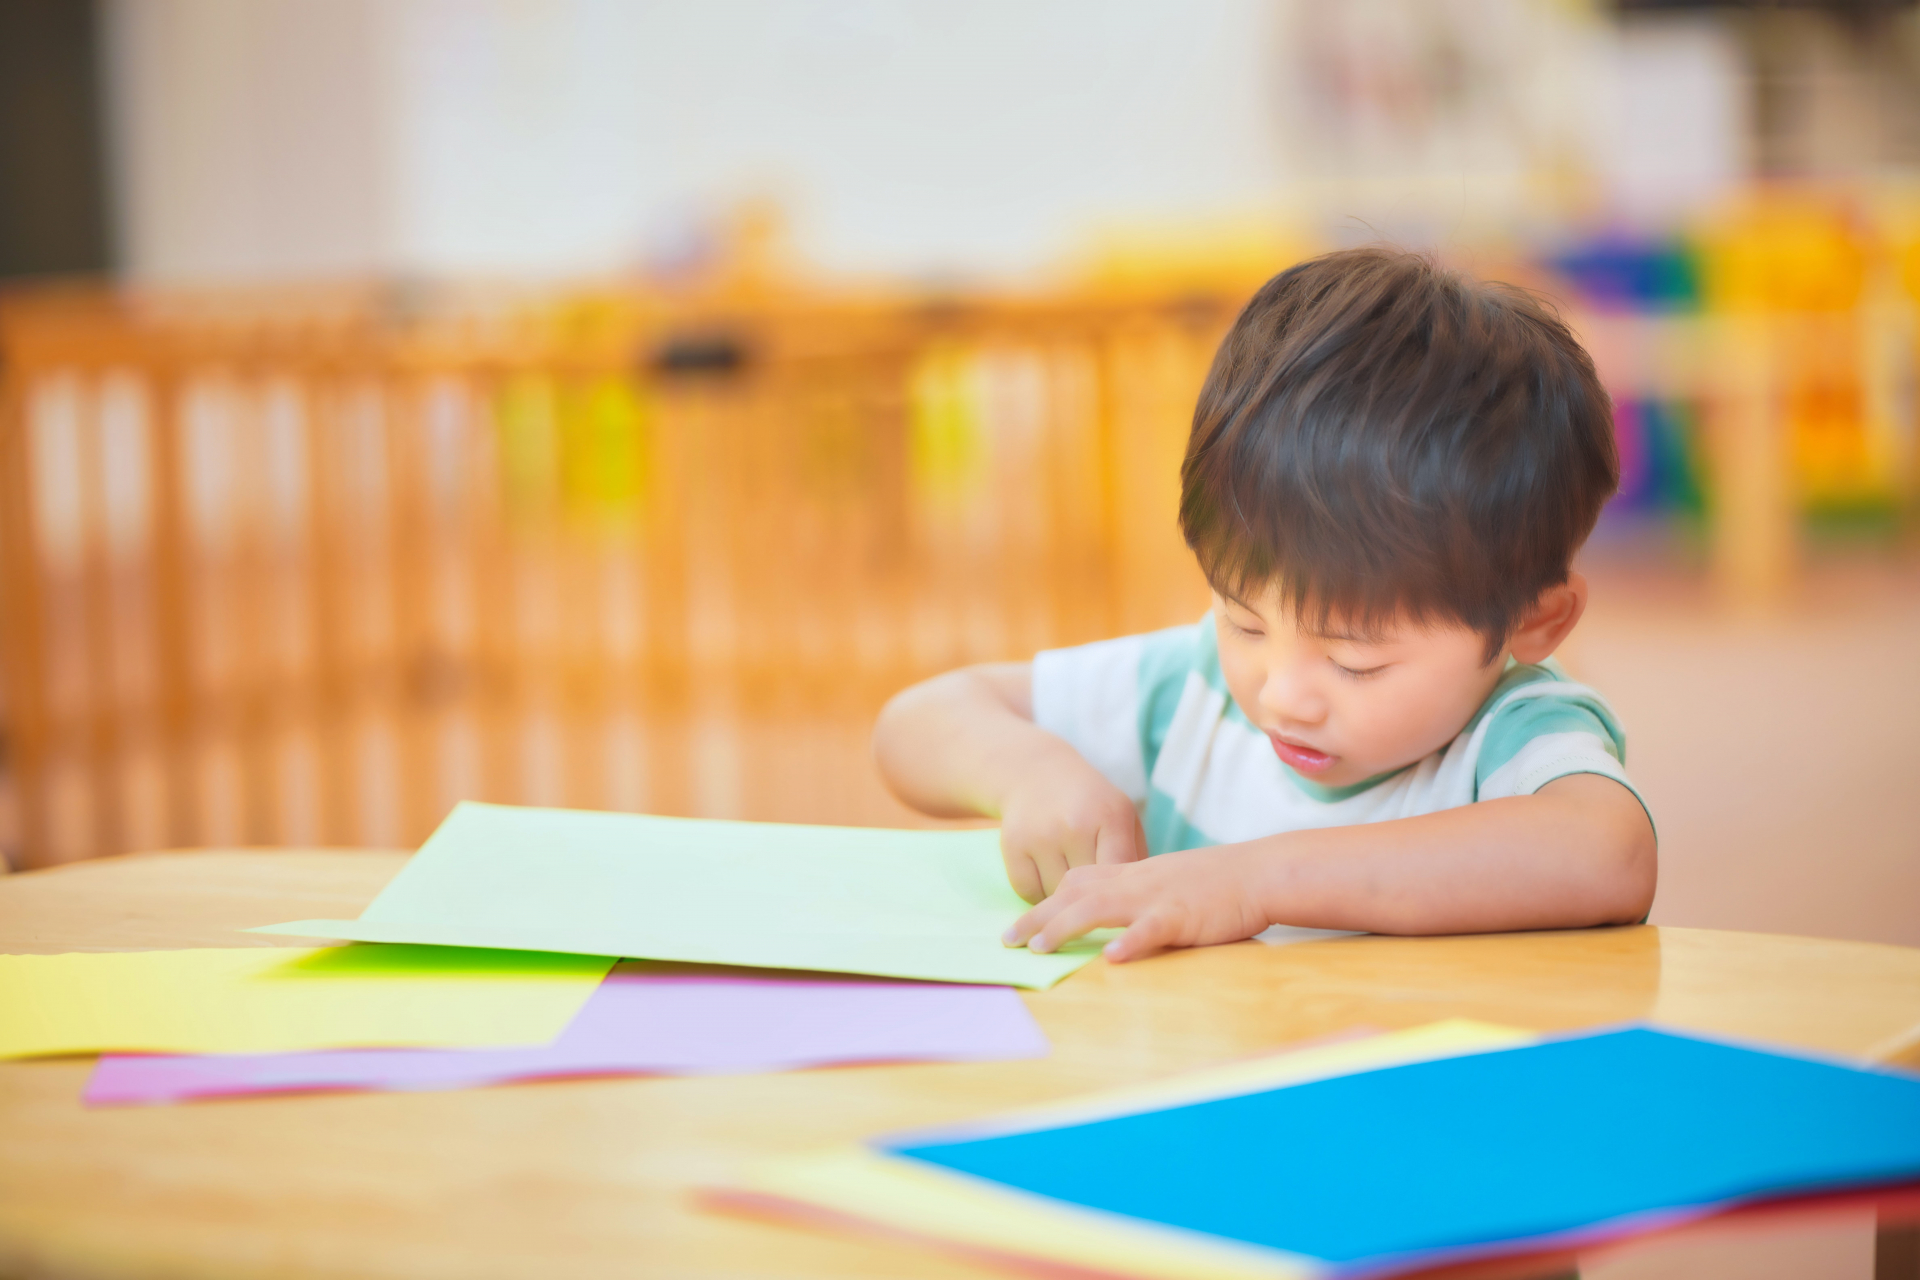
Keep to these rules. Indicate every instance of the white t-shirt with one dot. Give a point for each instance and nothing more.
(1152, 714)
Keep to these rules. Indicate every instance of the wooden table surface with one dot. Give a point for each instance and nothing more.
(592, 1178)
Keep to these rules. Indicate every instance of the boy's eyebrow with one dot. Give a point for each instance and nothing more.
(1350, 635)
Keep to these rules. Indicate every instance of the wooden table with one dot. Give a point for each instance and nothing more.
(592, 1178)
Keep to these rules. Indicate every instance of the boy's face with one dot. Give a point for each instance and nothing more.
(1343, 706)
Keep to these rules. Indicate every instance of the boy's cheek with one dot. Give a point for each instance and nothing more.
(1242, 692)
(1403, 727)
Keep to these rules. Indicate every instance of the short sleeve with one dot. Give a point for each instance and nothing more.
(1114, 699)
(1545, 731)
(1090, 696)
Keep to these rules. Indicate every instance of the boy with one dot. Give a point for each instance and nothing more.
(1390, 470)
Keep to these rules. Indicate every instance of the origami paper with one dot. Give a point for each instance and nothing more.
(1484, 1150)
(270, 999)
(903, 904)
(638, 1023)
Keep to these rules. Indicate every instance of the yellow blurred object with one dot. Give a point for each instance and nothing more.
(947, 439)
(580, 442)
(529, 446)
(1811, 273)
(603, 447)
(1784, 253)
(1174, 257)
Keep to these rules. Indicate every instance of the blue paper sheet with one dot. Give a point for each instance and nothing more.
(1547, 1140)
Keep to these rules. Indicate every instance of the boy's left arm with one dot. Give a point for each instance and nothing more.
(1577, 852)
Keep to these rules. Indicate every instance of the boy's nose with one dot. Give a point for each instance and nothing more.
(1290, 697)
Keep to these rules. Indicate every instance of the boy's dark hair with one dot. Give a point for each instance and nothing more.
(1378, 435)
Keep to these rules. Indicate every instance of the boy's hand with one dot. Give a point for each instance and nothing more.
(1190, 899)
(1059, 818)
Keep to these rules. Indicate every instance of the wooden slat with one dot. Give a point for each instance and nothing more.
(23, 737)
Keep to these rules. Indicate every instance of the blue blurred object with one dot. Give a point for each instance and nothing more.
(1660, 457)
(1634, 275)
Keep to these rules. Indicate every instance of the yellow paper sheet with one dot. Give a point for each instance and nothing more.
(908, 1196)
(284, 999)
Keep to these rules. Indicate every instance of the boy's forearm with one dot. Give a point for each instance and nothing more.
(955, 745)
(1578, 852)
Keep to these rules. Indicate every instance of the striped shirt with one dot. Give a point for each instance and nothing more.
(1152, 714)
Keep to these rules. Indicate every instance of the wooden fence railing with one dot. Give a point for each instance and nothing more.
(312, 579)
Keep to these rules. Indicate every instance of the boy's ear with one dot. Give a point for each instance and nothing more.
(1550, 621)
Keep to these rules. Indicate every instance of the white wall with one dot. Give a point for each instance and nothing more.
(916, 137)
(247, 137)
(501, 136)
(1672, 116)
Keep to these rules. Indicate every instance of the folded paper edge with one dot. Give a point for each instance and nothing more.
(380, 931)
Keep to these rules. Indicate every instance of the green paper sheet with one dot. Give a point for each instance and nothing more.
(288, 999)
(901, 904)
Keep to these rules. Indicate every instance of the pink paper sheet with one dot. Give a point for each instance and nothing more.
(635, 1024)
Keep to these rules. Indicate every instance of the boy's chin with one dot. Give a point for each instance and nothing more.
(1345, 773)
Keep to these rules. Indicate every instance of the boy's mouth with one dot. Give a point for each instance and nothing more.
(1301, 759)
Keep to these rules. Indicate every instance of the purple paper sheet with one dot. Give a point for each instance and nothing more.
(635, 1024)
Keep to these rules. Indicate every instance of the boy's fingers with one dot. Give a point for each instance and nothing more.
(1097, 911)
(1053, 867)
(1147, 935)
(1078, 848)
(1024, 877)
(1030, 923)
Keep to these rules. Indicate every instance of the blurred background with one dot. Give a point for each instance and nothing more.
(609, 403)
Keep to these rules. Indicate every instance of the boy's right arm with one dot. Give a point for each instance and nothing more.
(964, 745)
